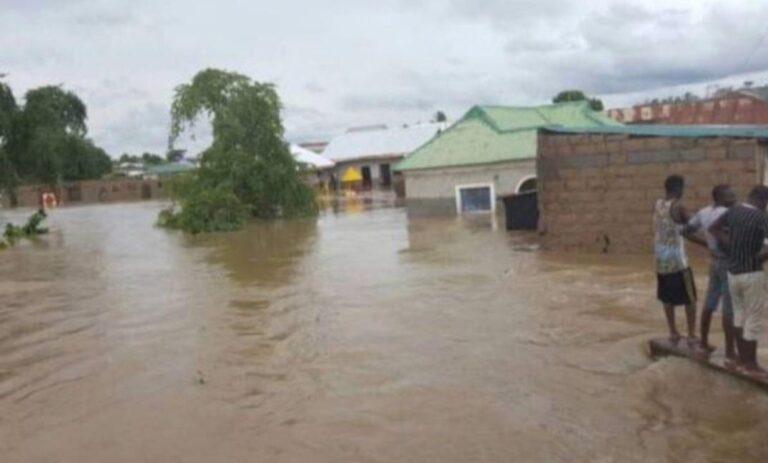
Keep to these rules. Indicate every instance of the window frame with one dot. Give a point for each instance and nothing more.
(467, 186)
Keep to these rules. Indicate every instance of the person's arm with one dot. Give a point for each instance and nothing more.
(679, 213)
(763, 256)
(719, 231)
(690, 231)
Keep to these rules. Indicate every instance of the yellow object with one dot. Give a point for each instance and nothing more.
(351, 175)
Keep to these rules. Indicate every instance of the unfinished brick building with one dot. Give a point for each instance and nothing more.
(597, 187)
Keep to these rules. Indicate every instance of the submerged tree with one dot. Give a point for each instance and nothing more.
(248, 170)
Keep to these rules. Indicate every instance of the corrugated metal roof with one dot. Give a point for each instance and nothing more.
(687, 131)
(170, 168)
(305, 156)
(489, 134)
(382, 142)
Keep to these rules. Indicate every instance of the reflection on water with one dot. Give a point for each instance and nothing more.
(359, 336)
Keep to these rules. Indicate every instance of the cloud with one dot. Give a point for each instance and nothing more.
(346, 63)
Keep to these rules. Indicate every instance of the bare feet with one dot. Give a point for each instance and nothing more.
(756, 372)
(709, 348)
(732, 364)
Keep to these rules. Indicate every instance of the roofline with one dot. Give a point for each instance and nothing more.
(371, 157)
(468, 164)
(657, 130)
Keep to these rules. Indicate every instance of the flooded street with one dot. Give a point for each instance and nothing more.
(360, 336)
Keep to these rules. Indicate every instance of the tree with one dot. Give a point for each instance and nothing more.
(44, 141)
(440, 117)
(175, 155)
(248, 170)
(151, 159)
(577, 95)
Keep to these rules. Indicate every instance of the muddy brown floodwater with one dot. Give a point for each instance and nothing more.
(360, 336)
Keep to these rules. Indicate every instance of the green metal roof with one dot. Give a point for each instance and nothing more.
(687, 131)
(489, 134)
(163, 170)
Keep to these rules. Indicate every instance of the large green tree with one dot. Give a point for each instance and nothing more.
(577, 95)
(44, 141)
(248, 170)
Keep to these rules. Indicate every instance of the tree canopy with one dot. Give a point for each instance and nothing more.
(248, 171)
(577, 95)
(44, 141)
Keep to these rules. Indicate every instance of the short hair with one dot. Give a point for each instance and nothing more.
(719, 191)
(760, 193)
(674, 184)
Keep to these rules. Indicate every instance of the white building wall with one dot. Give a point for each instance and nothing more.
(441, 183)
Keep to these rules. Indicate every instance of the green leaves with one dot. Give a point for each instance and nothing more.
(44, 141)
(248, 170)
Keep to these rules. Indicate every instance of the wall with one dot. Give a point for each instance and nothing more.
(94, 191)
(734, 108)
(433, 191)
(596, 192)
(441, 183)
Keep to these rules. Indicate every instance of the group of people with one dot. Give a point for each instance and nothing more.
(735, 234)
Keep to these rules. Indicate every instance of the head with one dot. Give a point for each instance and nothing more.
(758, 197)
(723, 195)
(674, 185)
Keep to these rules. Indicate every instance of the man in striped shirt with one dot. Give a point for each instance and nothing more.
(742, 231)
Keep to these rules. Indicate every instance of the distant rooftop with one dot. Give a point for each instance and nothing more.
(380, 141)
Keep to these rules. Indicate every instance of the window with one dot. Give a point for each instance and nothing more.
(475, 198)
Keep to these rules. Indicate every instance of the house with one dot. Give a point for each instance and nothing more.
(487, 154)
(318, 167)
(598, 185)
(745, 106)
(373, 150)
(168, 169)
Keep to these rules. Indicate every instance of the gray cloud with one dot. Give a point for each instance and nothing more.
(342, 62)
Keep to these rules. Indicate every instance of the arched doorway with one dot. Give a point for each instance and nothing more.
(527, 184)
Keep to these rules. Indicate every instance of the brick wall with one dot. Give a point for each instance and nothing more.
(596, 192)
(93, 191)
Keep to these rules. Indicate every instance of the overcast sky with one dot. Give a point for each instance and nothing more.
(339, 63)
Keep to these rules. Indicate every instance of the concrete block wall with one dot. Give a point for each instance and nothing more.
(596, 192)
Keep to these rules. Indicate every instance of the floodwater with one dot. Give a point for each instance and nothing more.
(361, 336)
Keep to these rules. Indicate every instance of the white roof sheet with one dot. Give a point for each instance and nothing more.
(380, 142)
(308, 157)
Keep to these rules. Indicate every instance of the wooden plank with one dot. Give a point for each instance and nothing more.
(663, 346)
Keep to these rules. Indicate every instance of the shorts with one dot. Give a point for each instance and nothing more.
(676, 288)
(717, 289)
(748, 292)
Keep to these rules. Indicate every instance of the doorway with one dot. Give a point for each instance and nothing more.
(365, 171)
(385, 175)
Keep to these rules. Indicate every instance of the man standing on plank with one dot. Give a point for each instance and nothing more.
(723, 197)
(742, 232)
(675, 284)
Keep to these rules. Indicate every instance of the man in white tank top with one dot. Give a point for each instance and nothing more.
(675, 285)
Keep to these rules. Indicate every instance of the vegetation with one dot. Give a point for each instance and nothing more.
(248, 171)
(148, 159)
(577, 95)
(440, 117)
(32, 228)
(45, 140)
